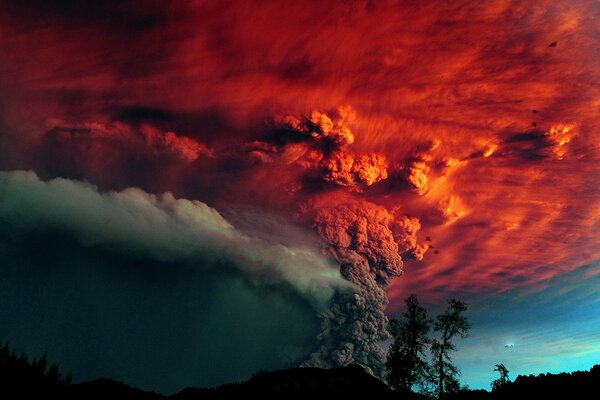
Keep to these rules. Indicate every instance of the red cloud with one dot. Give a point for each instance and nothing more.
(88, 138)
(505, 202)
(345, 169)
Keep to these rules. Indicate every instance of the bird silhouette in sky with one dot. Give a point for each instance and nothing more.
(518, 101)
(553, 44)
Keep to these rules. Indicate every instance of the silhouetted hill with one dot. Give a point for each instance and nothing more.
(21, 377)
(104, 388)
(24, 378)
(311, 381)
(350, 380)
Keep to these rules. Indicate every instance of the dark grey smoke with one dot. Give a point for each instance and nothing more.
(136, 233)
(367, 240)
(358, 234)
(159, 292)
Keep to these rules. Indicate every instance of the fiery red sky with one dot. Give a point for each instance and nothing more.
(478, 119)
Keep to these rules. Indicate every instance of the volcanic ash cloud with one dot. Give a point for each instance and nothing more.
(359, 235)
(162, 228)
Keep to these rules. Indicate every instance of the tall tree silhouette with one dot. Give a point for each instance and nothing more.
(406, 364)
(503, 380)
(450, 323)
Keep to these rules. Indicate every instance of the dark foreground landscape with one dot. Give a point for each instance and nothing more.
(22, 378)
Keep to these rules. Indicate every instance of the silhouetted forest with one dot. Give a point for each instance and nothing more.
(21, 377)
(578, 384)
(29, 377)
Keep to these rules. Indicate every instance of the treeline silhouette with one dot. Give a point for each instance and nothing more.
(22, 377)
(578, 384)
(29, 377)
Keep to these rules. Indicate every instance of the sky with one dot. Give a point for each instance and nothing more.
(193, 191)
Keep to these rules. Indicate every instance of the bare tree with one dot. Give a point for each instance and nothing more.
(450, 323)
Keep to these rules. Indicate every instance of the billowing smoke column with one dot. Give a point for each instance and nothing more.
(366, 239)
(359, 237)
(368, 242)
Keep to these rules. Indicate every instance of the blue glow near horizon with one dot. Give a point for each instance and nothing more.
(553, 330)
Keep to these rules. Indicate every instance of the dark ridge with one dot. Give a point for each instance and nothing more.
(351, 380)
(580, 385)
(344, 380)
(21, 377)
(106, 388)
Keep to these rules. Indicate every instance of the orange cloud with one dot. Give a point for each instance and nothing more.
(345, 169)
(417, 177)
(489, 150)
(505, 186)
(319, 125)
(405, 228)
(452, 208)
(559, 137)
(144, 139)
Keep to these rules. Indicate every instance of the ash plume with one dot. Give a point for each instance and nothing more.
(367, 240)
(165, 228)
(359, 235)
